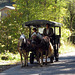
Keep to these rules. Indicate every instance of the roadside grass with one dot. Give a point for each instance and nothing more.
(15, 58)
(67, 47)
(11, 58)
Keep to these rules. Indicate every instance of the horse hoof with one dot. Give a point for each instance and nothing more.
(45, 63)
(22, 66)
(41, 65)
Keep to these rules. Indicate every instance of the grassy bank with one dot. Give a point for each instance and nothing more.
(9, 58)
(66, 47)
(13, 58)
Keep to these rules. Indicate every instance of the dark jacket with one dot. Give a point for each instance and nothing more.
(50, 32)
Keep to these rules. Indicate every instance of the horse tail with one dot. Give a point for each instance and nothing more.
(51, 49)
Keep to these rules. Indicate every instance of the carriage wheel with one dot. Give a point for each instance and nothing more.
(31, 58)
(56, 59)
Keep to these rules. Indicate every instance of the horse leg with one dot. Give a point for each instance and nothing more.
(21, 61)
(37, 57)
(41, 58)
(24, 55)
(26, 58)
(21, 58)
(20, 52)
(46, 58)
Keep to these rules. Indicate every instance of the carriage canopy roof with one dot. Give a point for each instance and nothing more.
(41, 23)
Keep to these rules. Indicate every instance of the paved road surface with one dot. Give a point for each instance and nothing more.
(65, 66)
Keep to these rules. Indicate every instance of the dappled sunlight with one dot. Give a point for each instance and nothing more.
(66, 69)
(9, 58)
(67, 47)
(65, 66)
(13, 24)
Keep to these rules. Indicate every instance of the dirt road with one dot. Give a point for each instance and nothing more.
(65, 66)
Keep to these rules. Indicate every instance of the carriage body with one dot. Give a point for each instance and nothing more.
(42, 24)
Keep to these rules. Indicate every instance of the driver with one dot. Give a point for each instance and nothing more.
(48, 32)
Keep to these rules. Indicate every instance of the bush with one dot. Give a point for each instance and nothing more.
(65, 33)
(10, 56)
(66, 47)
(4, 58)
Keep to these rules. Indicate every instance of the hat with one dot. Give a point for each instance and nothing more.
(34, 29)
(48, 24)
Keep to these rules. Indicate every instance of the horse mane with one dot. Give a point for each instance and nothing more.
(46, 38)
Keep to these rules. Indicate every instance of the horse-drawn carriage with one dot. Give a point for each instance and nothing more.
(40, 25)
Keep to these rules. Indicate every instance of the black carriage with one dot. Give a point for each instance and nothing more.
(40, 24)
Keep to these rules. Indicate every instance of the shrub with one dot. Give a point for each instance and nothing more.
(4, 58)
(65, 33)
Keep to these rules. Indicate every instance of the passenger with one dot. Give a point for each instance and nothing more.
(36, 36)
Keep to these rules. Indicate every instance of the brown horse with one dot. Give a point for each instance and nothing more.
(47, 48)
(44, 48)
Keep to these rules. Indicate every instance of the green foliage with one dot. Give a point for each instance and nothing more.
(9, 56)
(66, 47)
(11, 29)
(26, 10)
(65, 34)
(70, 14)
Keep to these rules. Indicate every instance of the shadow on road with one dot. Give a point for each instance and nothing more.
(65, 66)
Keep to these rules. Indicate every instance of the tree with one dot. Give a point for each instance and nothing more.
(39, 9)
(11, 28)
(69, 19)
(26, 10)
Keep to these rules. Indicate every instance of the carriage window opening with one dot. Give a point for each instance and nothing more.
(40, 30)
(57, 30)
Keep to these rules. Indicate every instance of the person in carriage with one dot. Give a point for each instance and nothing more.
(48, 31)
(42, 41)
(36, 37)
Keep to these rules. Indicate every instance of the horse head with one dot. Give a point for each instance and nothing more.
(23, 38)
(46, 38)
(22, 41)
